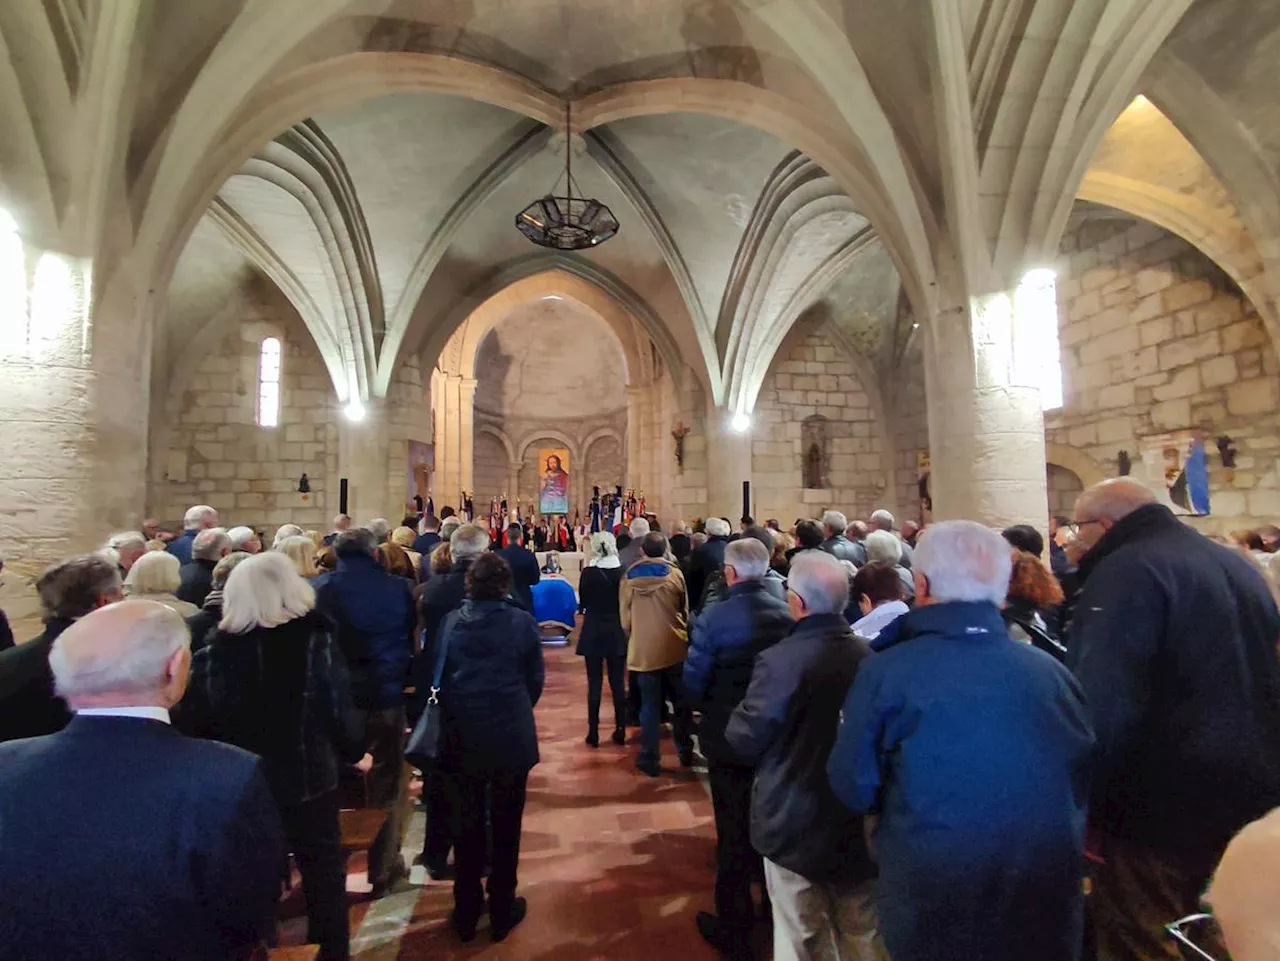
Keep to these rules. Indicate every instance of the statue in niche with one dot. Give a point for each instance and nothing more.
(815, 442)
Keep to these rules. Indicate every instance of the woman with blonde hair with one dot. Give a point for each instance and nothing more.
(272, 681)
(395, 560)
(403, 537)
(602, 641)
(302, 551)
(155, 577)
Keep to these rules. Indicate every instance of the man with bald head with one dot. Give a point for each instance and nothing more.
(1174, 643)
(122, 838)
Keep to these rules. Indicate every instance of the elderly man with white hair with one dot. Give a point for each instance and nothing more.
(207, 549)
(245, 539)
(178, 839)
(638, 528)
(1174, 644)
(126, 548)
(837, 543)
(202, 517)
(885, 548)
(975, 753)
(816, 865)
(882, 520)
(381, 528)
(706, 560)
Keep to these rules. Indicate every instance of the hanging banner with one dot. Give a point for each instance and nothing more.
(1177, 471)
(553, 481)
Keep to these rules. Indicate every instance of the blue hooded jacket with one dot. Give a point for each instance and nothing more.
(974, 751)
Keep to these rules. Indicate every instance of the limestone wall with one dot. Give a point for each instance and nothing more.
(681, 491)
(907, 410)
(1155, 339)
(218, 455)
(491, 468)
(1064, 486)
(814, 378)
(606, 464)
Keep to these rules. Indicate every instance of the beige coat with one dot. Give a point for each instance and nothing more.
(654, 607)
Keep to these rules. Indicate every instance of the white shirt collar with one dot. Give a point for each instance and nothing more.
(879, 618)
(150, 713)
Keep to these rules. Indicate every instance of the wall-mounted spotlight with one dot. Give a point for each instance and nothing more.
(741, 422)
(354, 410)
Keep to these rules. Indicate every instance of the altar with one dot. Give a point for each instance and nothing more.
(570, 562)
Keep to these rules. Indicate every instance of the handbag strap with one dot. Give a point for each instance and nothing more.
(438, 677)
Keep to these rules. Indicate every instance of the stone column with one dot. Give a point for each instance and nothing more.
(74, 397)
(467, 434)
(986, 433)
(363, 451)
(450, 463)
(513, 485)
(635, 407)
(728, 465)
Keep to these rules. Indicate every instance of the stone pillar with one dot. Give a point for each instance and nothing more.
(635, 418)
(513, 485)
(986, 433)
(467, 434)
(74, 397)
(451, 462)
(363, 450)
(728, 465)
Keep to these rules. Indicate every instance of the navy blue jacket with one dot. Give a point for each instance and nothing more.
(124, 840)
(424, 544)
(846, 550)
(493, 676)
(1174, 643)
(725, 640)
(373, 613)
(524, 573)
(785, 728)
(180, 546)
(974, 750)
(197, 581)
(702, 562)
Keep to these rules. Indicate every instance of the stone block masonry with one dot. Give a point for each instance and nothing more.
(1172, 346)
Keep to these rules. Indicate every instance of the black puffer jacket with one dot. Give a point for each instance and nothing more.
(1174, 644)
(786, 727)
(493, 676)
(283, 693)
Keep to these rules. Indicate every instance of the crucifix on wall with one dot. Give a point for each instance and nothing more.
(679, 433)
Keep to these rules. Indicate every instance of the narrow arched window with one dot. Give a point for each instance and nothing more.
(269, 383)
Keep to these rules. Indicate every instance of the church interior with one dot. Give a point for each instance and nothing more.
(951, 259)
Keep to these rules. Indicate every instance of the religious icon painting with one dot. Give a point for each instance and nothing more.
(553, 481)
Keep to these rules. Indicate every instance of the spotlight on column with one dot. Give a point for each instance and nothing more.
(741, 422)
(354, 410)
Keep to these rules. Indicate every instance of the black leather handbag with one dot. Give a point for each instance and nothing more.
(423, 749)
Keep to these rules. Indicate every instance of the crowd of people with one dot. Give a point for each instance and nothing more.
(920, 744)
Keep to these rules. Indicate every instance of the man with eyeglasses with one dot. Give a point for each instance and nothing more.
(1174, 644)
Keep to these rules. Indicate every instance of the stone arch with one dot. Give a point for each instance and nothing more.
(1078, 462)
(503, 439)
(600, 434)
(186, 181)
(1218, 237)
(528, 440)
(593, 440)
(1063, 486)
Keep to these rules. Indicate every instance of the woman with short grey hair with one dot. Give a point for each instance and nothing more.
(155, 577)
(884, 547)
(273, 681)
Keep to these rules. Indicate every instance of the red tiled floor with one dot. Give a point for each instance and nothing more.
(615, 865)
